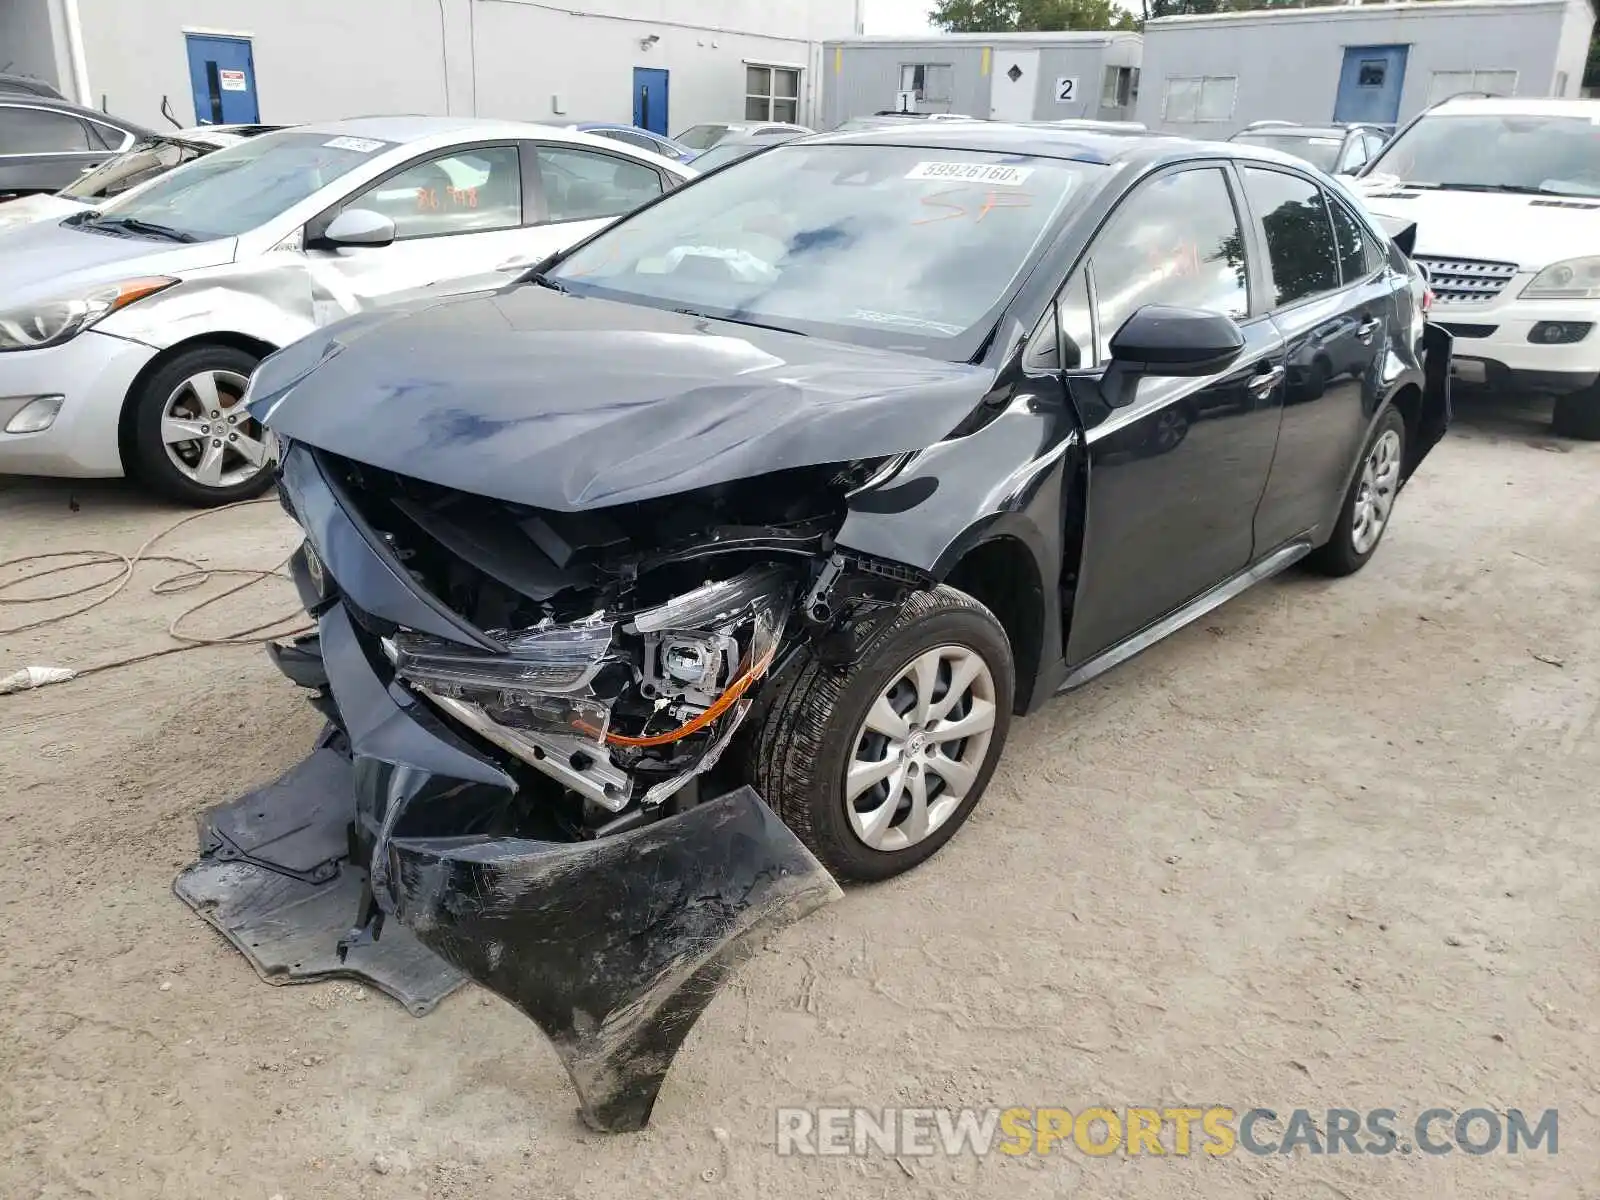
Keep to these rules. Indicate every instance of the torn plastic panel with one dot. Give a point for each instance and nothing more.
(614, 947)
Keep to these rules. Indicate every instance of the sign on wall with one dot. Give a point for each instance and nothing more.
(233, 81)
(1066, 89)
(905, 102)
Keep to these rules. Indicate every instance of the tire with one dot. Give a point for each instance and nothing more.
(1577, 415)
(1348, 549)
(178, 386)
(813, 731)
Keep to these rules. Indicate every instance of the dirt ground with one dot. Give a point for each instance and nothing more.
(1333, 846)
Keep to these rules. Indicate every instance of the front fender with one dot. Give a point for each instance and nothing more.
(268, 299)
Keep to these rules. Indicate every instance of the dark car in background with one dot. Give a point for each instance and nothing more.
(1336, 149)
(733, 149)
(46, 143)
(730, 543)
(639, 139)
(27, 85)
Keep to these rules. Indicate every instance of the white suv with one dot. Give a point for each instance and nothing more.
(1505, 195)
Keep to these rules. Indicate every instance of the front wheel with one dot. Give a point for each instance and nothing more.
(1369, 503)
(877, 768)
(193, 441)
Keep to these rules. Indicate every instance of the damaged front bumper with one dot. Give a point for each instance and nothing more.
(404, 851)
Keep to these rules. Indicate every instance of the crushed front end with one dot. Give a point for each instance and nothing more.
(531, 771)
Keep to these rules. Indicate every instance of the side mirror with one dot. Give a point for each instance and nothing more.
(1157, 340)
(358, 227)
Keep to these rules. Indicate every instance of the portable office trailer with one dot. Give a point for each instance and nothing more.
(1208, 76)
(1002, 77)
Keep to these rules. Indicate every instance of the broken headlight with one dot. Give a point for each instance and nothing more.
(541, 682)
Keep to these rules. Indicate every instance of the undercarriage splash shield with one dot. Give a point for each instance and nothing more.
(273, 878)
(616, 946)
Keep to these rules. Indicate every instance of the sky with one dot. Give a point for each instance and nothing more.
(897, 16)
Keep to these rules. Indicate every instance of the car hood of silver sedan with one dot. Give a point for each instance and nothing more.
(567, 403)
(52, 259)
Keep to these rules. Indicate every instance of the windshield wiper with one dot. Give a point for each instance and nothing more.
(135, 225)
(690, 312)
(1515, 189)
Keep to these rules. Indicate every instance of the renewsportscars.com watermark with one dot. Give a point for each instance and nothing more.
(1180, 1131)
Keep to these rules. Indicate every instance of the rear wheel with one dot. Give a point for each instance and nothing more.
(193, 440)
(1577, 415)
(877, 768)
(1369, 503)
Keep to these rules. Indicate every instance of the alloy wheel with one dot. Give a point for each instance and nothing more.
(1380, 480)
(920, 749)
(208, 435)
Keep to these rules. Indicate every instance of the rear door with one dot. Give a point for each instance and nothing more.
(458, 215)
(1175, 473)
(43, 149)
(1332, 299)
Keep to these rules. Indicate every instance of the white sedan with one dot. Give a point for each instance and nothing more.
(128, 333)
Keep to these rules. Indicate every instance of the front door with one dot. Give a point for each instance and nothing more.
(1176, 466)
(1370, 85)
(1013, 84)
(222, 73)
(650, 99)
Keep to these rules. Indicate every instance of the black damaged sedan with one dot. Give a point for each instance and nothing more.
(784, 495)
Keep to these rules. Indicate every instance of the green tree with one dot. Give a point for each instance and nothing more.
(1029, 16)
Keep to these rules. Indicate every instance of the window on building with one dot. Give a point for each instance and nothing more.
(771, 93)
(1195, 98)
(1452, 83)
(1176, 241)
(934, 83)
(583, 185)
(471, 191)
(41, 131)
(1300, 242)
(1121, 87)
(1372, 73)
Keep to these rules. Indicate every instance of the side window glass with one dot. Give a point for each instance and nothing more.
(1176, 240)
(1374, 144)
(103, 137)
(1299, 234)
(1352, 239)
(581, 185)
(470, 191)
(1355, 155)
(40, 131)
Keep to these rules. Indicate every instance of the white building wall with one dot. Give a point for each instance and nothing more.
(27, 46)
(1288, 62)
(323, 59)
(1572, 53)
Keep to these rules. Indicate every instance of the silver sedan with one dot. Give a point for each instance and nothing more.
(128, 333)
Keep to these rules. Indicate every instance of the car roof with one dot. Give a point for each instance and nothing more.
(1507, 106)
(1106, 147)
(33, 100)
(1334, 131)
(420, 128)
(28, 85)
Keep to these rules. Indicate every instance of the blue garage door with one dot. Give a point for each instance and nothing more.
(650, 99)
(1369, 86)
(222, 72)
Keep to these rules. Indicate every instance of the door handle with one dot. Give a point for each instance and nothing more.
(1367, 328)
(1263, 382)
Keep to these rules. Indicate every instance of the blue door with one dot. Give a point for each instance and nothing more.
(222, 73)
(1369, 85)
(650, 99)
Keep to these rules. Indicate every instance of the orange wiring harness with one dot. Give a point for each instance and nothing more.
(723, 702)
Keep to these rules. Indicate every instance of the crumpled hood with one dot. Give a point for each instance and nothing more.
(1531, 231)
(566, 403)
(47, 259)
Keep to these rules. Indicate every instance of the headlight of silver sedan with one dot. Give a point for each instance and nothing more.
(51, 322)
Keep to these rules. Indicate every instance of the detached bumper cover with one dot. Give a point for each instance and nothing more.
(613, 946)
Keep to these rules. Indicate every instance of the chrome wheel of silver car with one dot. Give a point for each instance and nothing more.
(208, 435)
(920, 749)
(1380, 480)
